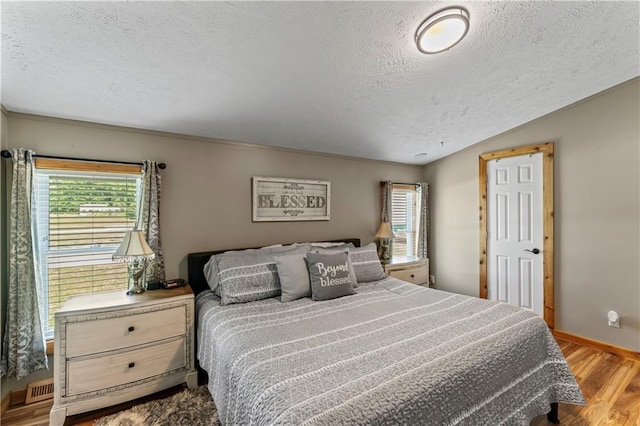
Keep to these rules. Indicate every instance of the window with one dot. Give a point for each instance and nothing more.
(80, 218)
(405, 219)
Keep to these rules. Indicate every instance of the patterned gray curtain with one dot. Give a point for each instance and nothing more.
(149, 217)
(423, 231)
(385, 250)
(23, 346)
(386, 201)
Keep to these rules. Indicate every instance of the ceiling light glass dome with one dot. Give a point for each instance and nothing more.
(442, 30)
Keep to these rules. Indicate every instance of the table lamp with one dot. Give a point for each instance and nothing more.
(385, 237)
(135, 251)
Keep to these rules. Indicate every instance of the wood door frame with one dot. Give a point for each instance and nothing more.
(547, 220)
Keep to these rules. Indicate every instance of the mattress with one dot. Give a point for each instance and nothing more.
(394, 353)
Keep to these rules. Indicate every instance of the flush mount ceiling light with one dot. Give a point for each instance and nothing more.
(442, 30)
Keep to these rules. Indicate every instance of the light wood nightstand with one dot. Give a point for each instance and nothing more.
(110, 348)
(408, 268)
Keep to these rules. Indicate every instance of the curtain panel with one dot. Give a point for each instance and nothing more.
(385, 249)
(24, 345)
(386, 215)
(423, 229)
(149, 217)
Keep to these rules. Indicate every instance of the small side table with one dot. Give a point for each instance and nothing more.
(412, 269)
(110, 348)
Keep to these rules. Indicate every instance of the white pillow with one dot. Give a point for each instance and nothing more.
(326, 244)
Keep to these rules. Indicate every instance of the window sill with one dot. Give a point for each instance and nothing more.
(50, 347)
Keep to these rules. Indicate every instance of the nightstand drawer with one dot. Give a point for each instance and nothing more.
(413, 275)
(91, 374)
(90, 337)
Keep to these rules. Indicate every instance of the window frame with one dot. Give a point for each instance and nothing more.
(64, 166)
(415, 189)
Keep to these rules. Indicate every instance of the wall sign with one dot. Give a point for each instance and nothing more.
(280, 199)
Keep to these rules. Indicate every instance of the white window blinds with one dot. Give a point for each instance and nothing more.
(80, 220)
(405, 200)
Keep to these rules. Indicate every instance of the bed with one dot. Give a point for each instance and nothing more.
(392, 353)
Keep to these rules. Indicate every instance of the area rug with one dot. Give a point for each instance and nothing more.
(189, 407)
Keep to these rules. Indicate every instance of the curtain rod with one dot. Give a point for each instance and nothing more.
(7, 154)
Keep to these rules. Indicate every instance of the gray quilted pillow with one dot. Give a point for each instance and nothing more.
(211, 267)
(249, 277)
(366, 263)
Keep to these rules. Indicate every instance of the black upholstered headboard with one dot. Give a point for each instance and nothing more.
(196, 262)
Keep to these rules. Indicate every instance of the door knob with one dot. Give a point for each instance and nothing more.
(534, 251)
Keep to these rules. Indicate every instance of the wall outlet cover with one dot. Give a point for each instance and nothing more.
(613, 319)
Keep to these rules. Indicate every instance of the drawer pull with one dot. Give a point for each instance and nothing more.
(132, 328)
(132, 364)
(413, 276)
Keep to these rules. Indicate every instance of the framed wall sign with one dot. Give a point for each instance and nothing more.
(280, 199)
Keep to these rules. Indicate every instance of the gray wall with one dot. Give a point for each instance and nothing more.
(597, 213)
(206, 198)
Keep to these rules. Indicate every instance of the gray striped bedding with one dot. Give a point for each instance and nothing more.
(394, 353)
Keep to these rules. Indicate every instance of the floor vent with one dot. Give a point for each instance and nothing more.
(39, 391)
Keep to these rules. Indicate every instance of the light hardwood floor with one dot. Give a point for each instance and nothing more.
(610, 384)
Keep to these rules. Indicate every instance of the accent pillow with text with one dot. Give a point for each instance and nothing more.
(329, 275)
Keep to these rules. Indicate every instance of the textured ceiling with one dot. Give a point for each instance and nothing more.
(335, 77)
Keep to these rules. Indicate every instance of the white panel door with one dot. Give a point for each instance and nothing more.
(515, 232)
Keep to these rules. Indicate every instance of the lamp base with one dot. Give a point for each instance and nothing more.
(384, 250)
(136, 270)
(135, 290)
